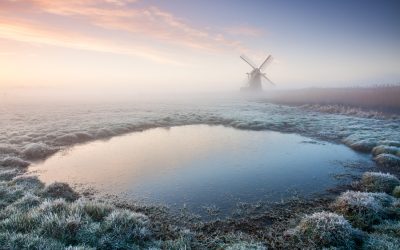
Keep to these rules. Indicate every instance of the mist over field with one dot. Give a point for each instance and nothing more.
(130, 124)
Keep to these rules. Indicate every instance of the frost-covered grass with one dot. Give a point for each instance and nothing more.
(76, 224)
(28, 241)
(34, 216)
(37, 150)
(182, 242)
(363, 209)
(363, 145)
(324, 229)
(384, 149)
(60, 190)
(37, 217)
(396, 192)
(388, 160)
(13, 161)
(238, 241)
(389, 227)
(27, 181)
(34, 132)
(381, 242)
(7, 174)
(379, 182)
(390, 143)
(245, 246)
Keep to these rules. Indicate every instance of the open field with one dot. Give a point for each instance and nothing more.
(56, 217)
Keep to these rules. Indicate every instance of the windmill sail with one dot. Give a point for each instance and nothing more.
(255, 76)
(248, 61)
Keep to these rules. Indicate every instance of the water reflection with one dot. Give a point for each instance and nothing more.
(201, 165)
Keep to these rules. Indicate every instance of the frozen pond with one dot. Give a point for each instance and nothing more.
(202, 165)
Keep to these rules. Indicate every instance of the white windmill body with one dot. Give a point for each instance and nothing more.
(255, 76)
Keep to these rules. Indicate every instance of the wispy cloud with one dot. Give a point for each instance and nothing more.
(41, 34)
(122, 16)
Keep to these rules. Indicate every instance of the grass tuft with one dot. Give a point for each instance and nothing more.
(28, 241)
(27, 202)
(97, 211)
(384, 149)
(246, 246)
(381, 242)
(388, 160)
(27, 182)
(388, 227)
(379, 182)
(122, 228)
(15, 162)
(363, 209)
(396, 192)
(20, 222)
(324, 229)
(9, 174)
(60, 190)
(9, 194)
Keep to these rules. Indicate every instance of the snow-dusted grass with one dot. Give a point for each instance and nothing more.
(363, 209)
(379, 182)
(324, 229)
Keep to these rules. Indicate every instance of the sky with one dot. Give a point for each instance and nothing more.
(184, 45)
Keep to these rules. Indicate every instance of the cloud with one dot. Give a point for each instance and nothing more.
(41, 34)
(122, 16)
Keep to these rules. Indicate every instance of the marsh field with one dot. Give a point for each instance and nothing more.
(200, 173)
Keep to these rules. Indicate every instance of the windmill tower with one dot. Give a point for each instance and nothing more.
(255, 76)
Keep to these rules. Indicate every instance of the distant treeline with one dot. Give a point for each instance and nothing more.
(385, 98)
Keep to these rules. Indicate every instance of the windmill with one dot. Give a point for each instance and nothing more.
(254, 76)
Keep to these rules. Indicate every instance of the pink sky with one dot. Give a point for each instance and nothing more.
(144, 45)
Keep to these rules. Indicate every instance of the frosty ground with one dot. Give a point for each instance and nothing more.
(36, 216)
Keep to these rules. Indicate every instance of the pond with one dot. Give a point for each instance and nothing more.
(200, 165)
